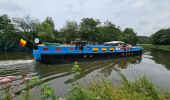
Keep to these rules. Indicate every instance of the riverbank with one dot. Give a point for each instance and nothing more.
(102, 89)
(98, 89)
(159, 47)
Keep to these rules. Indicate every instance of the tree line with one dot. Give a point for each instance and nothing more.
(89, 29)
(161, 37)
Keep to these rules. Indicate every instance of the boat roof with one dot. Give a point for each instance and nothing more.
(113, 42)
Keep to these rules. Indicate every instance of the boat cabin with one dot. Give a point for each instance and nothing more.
(114, 43)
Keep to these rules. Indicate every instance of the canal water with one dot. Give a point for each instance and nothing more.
(154, 64)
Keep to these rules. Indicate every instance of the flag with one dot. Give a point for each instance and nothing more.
(27, 43)
(23, 42)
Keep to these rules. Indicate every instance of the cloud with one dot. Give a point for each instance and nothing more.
(144, 16)
(9, 6)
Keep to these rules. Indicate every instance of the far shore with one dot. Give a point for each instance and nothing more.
(159, 47)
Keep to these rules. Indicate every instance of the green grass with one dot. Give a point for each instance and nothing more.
(104, 90)
(159, 47)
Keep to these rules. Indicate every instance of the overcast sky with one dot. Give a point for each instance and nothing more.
(144, 16)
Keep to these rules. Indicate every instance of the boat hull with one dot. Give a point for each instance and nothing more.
(70, 58)
(70, 54)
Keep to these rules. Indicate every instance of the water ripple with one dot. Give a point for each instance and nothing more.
(14, 62)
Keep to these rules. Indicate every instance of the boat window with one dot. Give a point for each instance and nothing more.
(87, 48)
(58, 49)
(103, 49)
(95, 49)
(111, 49)
(45, 49)
(71, 49)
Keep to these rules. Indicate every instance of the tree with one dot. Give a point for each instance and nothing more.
(50, 21)
(70, 31)
(128, 36)
(144, 40)
(109, 32)
(161, 37)
(8, 37)
(25, 24)
(45, 30)
(88, 29)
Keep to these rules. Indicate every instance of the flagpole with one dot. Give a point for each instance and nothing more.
(29, 43)
(27, 39)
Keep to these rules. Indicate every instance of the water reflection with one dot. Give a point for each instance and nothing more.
(161, 57)
(19, 55)
(106, 66)
(120, 64)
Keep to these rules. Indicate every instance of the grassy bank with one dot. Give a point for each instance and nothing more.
(159, 47)
(104, 90)
(99, 89)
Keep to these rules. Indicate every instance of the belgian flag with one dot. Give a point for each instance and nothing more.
(24, 42)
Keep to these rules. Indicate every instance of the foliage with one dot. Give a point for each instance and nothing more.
(128, 36)
(161, 37)
(80, 93)
(76, 70)
(157, 47)
(88, 29)
(142, 85)
(70, 32)
(8, 37)
(45, 30)
(144, 40)
(50, 22)
(47, 92)
(104, 90)
(25, 24)
(8, 88)
(108, 32)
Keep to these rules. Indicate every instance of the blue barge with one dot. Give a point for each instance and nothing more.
(81, 52)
